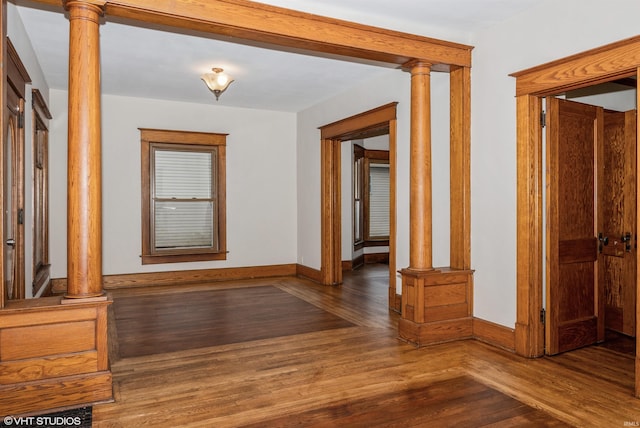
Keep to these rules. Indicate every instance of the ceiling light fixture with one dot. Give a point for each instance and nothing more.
(218, 81)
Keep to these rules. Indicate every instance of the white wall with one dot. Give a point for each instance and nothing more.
(261, 190)
(18, 36)
(388, 87)
(550, 31)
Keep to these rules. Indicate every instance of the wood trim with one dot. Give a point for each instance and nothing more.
(494, 334)
(3, 124)
(283, 27)
(150, 138)
(460, 168)
(373, 119)
(330, 201)
(54, 355)
(17, 73)
(606, 63)
(309, 273)
(529, 330)
(150, 279)
(393, 207)
(376, 258)
(637, 326)
(365, 125)
(602, 64)
(40, 105)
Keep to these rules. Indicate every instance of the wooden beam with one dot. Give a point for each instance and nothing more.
(606, 63)
(271, 25)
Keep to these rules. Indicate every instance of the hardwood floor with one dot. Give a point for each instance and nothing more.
(358, 374)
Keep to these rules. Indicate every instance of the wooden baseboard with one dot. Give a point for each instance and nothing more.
(376, 258)
(494, 334)
(59, 285)
(309, 273)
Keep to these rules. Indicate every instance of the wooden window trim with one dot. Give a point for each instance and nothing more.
(41, 116)
(151, 137)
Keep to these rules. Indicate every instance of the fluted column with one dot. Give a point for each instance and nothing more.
(420, 238)
(84, 175)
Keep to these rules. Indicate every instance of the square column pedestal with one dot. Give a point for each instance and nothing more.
(437, 305)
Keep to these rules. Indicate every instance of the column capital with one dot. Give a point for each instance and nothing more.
(417, 66)
(96, 5)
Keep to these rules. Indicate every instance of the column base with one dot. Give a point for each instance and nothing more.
(68, 300)
(437, 305)
(422, 334)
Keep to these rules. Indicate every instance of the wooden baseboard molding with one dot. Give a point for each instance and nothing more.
(309, 273)
(494, 334)
(376, 258)
(110, 282)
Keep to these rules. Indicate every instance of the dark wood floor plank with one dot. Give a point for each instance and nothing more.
(155, 324)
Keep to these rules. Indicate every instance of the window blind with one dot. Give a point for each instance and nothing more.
(184, 204)
(378, 200)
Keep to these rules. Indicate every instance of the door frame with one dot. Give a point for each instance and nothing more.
(603, 64)
(375, 122)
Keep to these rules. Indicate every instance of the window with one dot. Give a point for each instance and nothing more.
(183, 196)
(370, 197)
(378, 200)
(358, 197)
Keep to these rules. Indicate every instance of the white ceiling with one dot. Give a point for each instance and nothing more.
(150, 63)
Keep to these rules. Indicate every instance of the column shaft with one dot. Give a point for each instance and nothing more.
(420, 244)
(84, 175)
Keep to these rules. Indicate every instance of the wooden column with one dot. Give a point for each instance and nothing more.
(420, 245)
(436, 303)
(84, 185)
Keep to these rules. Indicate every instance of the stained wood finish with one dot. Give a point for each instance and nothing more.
(602, 64)
(84, 184)
(215, 318)
(606, 63)
(616, 218)
(574, 306)
(374, 122)
(460, 172)
(420, 233)
(331, 202)
(529, 329)
(437, 306)
(53, 356)
(360, 375)
(150, 279)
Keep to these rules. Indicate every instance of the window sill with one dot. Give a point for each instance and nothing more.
(182, 258)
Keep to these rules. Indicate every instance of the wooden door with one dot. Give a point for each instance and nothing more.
(574, 305)
(617, 220)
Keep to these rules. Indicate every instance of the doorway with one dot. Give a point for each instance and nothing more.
(603, 64)
(372, 123)
(591, 220)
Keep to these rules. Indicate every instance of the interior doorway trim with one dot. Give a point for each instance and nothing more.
(375, 122)
(606, 63)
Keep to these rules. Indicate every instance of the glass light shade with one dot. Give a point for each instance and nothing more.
(217, 82)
